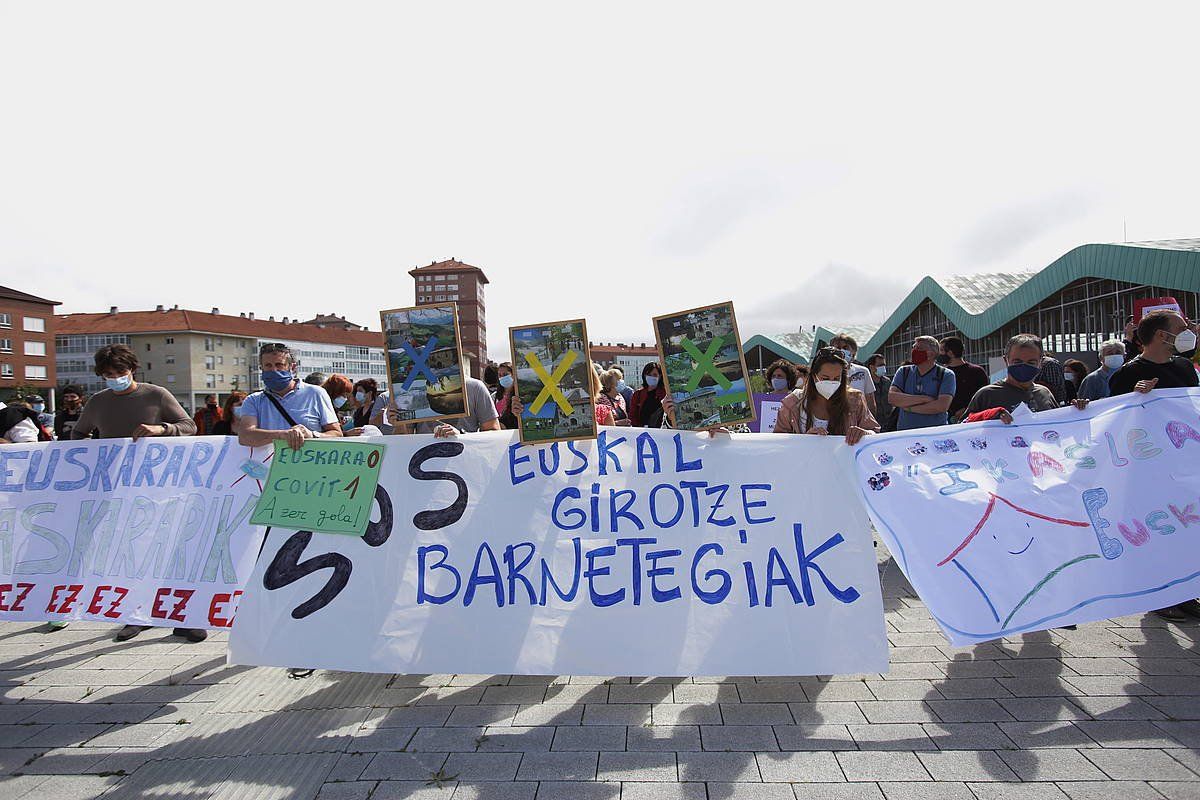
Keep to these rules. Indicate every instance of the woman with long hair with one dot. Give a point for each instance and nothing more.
(645, 408)
(506, 380)
(827, 405)
(366, 392)
(610, 397)
(233, 408)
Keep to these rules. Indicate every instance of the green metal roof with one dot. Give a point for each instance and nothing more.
(981, 304)
(798, 346)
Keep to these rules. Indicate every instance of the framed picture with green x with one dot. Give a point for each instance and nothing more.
(704, 369)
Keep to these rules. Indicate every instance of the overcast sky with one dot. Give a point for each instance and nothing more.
(611, 161)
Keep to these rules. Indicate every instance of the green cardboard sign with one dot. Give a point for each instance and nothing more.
(327, 485)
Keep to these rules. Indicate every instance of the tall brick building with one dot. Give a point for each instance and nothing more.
(27, 326)
(462, 284)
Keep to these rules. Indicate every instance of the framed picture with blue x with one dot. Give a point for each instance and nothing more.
(703, 367)
(424, 362)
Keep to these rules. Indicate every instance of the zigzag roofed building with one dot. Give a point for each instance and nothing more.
(1075, 303)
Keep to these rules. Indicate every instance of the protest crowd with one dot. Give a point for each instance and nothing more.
(834, 395)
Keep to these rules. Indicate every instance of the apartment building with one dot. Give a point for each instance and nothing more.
(629, 357)
(27, 326)
(196, 353)
(462, 284)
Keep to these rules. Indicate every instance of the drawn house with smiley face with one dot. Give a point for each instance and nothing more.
(1019, 563)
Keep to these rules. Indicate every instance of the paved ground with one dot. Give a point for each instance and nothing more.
(1109, 711)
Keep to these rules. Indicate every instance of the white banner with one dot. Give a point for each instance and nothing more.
(642, 552)
(153, 532)
(1065, 516)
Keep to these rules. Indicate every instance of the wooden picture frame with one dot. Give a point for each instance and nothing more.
(449, 407)
(580, 422)
(743, 408)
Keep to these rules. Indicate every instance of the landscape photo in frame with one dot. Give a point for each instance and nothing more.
(424, 363)
(553, 367)
(703, 367)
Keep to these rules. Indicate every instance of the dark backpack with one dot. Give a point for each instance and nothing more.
(11, 415)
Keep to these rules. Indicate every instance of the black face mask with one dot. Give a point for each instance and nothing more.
(942, 359)
(212, 405)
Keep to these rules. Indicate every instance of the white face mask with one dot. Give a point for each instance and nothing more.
(827, 389)
(1185, 342)
(1115, 361)
(881, 370)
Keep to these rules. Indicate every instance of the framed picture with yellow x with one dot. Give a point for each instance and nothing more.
(704, 369)
(553, 367)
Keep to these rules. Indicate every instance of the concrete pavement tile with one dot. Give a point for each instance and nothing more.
(639, 693)
(1122, 790)
(558, 767)
(276, 777)
(770, 693)
(689, 693)
(349, 766)
(835, 691)
(800, 767)
(750, 791)
(403, 766)
(14, 787)
(1107, 686)
(968, 736)
(1016, 791)
(413, 717)
(1124, 708)
(916, 670)
(1190, 758)
(67, 761)
(456, 696)
(589, 738)
(893, 736)
(201, 777)
(142, 734)
(686, 714)
(483, 766)
(738, 737)
(1186, 733)
(516, 740)
(413, 790)
(846, 713)
(1101, 666)
(1173, 707)
(1138, 765)
(1037, 687)
(837, 791)
(568, 694)
(954, 688)
(521, 695)
(879, 766)
(507, 790)
(675, 738)
(624, 714)
(900, 690)
(446, 740)
(1037, 735)
(350, 790)
(732, 767)
(898, 711)
(1037, 709)
(755, 714)
(1126, 734)
(627, 767)
(1171, 685)
(73, 787)
(546, 714)
(966, 765)
(814, 737)
(1033, 667)
(1052, 765)
(946, 790)
(1172, 790)
(662, 791)
(375, 740)
(969, 711)
(309, 731)
(478, 716)
(577, 790)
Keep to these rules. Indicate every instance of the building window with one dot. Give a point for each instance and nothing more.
(35, 348)
(170, 359)
(221, 378)
(221, 359)
(210, 381)
(5, 320)
(170, 379)
(208, 343)
(209, 362)
(169, 340)
(5, 345)
(6, 371)
(35, 324)
(35, 373)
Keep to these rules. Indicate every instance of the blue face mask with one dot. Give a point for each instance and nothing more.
(621, 385)
(779, 384)
(120, 384)
(38, 407)
(506, 381)
(277, 379)
(1023, 373)
(341, 401)
(652, 381)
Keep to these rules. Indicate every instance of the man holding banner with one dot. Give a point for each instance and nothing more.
(285, 408)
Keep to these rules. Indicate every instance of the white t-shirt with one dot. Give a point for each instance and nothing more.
(860, 378)
(818, 424)
(24, 431)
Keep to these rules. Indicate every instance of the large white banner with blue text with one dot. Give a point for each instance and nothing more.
(152, 532)
(1063, 517)
(642, 552)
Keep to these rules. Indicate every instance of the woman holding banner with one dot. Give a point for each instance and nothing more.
(827, 405)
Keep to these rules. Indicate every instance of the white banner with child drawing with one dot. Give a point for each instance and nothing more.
(1062, 517)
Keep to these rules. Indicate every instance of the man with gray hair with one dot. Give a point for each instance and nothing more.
(285, 408)
(1024, 359)
(922, 390)
(1112, 358)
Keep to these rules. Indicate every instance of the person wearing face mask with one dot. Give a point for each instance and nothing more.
(127, 408)
(231, 411)
(1112, 358)
(340, 391)
(285, 408)
(921, 392)
(67, 416)
(968, 378)
(366, 400)
(859, 377)
(877, 364)
(827, 405)
(37, 404)
(208, 416)
(507, 383)
(645, 406)
(610, 397)
(623, 388)
(1074, 371)
(1168, 342)
(781, 377)
(1024, 359)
